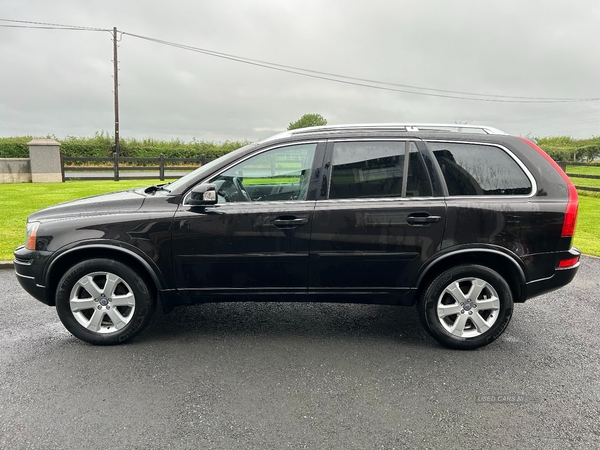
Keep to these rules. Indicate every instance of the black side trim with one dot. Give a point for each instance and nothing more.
(154, 272)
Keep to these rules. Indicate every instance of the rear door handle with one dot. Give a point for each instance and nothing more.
(422, 219)
(290, 222)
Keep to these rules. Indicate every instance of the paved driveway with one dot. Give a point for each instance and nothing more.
(256, 376)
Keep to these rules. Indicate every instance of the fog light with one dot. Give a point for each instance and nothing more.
(566, 263)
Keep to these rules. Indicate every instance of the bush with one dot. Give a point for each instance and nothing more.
(102, 145)
(560, 153)
(14, 147)
(560, 148)
(99, 146)
(565, 148)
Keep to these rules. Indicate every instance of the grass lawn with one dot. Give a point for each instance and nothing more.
(587, 233)
(584, 170)
(588, 182)
(19, 200)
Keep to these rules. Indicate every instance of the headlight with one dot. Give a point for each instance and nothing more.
(31, 235)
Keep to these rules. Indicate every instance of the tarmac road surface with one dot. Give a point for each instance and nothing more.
(259, 376)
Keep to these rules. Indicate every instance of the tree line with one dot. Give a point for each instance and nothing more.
(560, 148)
(565, 148)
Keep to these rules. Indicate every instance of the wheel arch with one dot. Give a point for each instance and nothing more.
(58, 266)
(510, 268)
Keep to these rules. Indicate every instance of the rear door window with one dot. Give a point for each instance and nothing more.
(479, 169)
(373, 169)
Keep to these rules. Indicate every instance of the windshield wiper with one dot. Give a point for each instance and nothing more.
(157, 187)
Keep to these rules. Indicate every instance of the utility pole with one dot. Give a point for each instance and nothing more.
(116, 92)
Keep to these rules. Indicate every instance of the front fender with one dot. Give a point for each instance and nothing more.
(90, 249)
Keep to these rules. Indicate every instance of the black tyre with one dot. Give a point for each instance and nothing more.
(466, 307)
(104, 302)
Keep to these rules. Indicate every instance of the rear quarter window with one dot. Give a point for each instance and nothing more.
(479, 169)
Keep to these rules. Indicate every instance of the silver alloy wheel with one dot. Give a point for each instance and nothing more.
(102, 302)
(468, 307)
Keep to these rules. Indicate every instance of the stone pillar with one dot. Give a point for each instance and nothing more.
(45, 161)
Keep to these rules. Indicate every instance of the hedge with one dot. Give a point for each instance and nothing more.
(565, 148)
(561, 148)
(102, 145)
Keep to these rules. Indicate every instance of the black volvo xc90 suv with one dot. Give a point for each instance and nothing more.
(460, 222)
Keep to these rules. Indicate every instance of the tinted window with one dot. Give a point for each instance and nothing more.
(473, 169)
(278, 174)
(376, 169)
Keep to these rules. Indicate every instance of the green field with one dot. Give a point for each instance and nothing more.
(573, 171)
(19, 200)
(587, 233)
(584, 170)
(587, 236)
(588, 182)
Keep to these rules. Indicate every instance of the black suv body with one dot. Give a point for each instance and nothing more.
(460, 222)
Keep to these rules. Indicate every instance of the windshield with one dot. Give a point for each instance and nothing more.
(204, 169)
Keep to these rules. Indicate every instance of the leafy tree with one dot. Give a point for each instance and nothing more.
(308, 120)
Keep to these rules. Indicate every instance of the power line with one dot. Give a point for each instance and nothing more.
(543, 115)
(327, 76)
(363, 82)
(249, 60)
(47, 26)
(578, 122)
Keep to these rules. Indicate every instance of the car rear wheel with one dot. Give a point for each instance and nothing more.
(104, 302)
(466, 307)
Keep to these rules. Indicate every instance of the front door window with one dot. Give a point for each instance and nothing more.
(279, 174)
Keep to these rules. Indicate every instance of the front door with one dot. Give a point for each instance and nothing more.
(255, 240)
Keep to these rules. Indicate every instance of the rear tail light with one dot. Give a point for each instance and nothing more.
(568, 229)
(571, 211)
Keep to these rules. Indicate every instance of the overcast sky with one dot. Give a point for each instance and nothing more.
(60, 82)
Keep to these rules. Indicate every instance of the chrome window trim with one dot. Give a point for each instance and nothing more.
(379, 199)
(245, 158)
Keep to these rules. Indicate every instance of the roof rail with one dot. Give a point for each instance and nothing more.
(391, 127)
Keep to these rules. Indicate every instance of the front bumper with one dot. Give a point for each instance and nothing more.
(29, 266)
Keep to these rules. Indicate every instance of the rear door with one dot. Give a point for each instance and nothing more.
(377, 221)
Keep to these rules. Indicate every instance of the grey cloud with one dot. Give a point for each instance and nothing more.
(60, 82)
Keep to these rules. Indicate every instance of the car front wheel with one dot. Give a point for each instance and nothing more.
(104, 302)
(466, 307)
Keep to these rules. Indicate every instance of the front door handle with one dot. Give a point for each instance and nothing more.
(422, 219)
(290, 222)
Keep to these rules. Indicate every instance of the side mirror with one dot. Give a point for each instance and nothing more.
(202, 195)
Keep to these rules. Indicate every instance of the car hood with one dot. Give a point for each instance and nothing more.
(114, 203)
